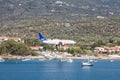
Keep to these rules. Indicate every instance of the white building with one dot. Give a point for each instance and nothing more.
(4, 38)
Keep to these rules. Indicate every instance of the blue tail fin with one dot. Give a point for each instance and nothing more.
(42, 38)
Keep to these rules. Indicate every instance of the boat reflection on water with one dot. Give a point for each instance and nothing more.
(86, 67)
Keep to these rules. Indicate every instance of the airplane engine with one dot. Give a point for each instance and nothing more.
(60, 44)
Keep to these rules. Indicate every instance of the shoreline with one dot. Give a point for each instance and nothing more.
(12, 57)
(108, 57)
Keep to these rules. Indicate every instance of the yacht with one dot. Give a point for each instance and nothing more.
(87, 63)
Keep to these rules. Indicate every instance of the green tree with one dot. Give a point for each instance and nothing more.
(97, 43)
(118, 42)
(32, 42)
(3, 49)
(48, 47)
(111, 40)
(14, 48)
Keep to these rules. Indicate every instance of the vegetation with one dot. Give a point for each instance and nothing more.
(85, 32)
(58, 10)
(32, 42)
(70, 19)
(18, 48)
(14, 48)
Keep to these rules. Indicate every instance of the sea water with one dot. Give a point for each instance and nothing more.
(57, 70)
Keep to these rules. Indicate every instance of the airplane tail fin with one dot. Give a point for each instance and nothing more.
(42, 38)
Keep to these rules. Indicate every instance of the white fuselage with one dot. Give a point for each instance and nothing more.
(58, 41)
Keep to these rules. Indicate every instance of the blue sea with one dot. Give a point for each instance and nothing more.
(57, 70)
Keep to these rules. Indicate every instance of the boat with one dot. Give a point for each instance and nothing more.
(2, 60)
(87, 63)
(27, 59)
(111, 60)
(69, 60)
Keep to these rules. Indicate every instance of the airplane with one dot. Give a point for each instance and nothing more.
(55, 41)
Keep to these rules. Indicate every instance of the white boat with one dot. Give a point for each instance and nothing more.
(26, 59)
(87, 63)
(1, 59)
(111, 60)
(69, 60)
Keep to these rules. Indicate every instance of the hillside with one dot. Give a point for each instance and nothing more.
(81, 20)
(58, 9)
(81, 31)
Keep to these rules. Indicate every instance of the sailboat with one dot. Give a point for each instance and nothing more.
(87, 63)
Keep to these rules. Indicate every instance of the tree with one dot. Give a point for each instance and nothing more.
(111, 41)
(14, 48)
(48, 47)
(97, 43)
(32, 42)
(3, 49)
(118, 42)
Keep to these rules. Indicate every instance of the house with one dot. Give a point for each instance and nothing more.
(4, 38)
(15, 39)
(105, 49)
(113, 49)
(35, 47)
(100, 50)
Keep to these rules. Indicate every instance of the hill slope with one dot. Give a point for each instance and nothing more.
(58, 9)
(81, 31)
(70, 19)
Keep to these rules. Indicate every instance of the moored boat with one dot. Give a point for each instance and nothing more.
(26, 59)
(87, 63)
(69, 60)
(1, 59)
